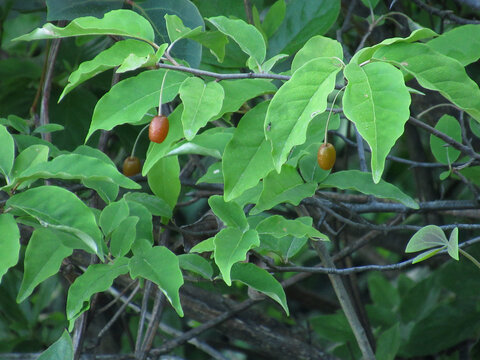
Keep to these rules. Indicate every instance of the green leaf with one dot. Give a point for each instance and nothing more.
(315, 47)
(16, 123)
(213, 175)
(76, 166)
(370, 3)
(260, 280)
(452, 246)
(214, 40)
(366, 53)
(160, 266)
(278, 226)
(211, 142)
(144, 229)
(62, 349)
(107, 59)
(124, 236)
(60, 209)
(461, 43)
(303, 20)
(48, 128)
(388, 343)
(96, 278)
(245, 35)
(362, 182)
(176, 30)
(292, 106)
(229, 212)
(287, 186)
(29, 157)
(43, 258)
(274, 18)
(129, 100)
(442, 151)
(201, 102)
(112, 215)
(116, 22)
(197, 264)
(157, 151)
(247, 157)
(382, 292)
(204, 246)
(437, 72)
(377, 101)
(164, 180)
(270, 63)
(428, 237)
(9, 243)
(231, 246)
(155, 205)
(237, 92)
(7, 152)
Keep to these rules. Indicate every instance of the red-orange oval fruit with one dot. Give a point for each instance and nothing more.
(326, 156)
(131, 166)
(158, 129)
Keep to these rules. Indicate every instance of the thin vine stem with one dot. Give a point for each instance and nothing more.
(161, 93)
(136, 140)
(469, 257)
(330, 114)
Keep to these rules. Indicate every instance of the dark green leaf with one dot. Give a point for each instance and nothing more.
(7, 152)
(62, 349)
(442, 151)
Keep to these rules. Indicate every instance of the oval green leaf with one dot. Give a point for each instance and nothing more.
(9, 243)
(442, 151)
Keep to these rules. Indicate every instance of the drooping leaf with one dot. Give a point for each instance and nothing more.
(260, 280)
(116, 22)
(112, 215)
(129, 100)
(247, 157)
(164, 180)
(287, 186)
(29, 157)
(366, 53)
(237, 92)
(197, 264)
(9, 243)
(315, 47)
(461, 43)
(97, 278)
(7, 152)
(362, 182)
(229, 212)
(292, 106)
(201, 102)
(124, 236)
(303, 20)
(278, 226)
(160, 266)
(107, 59)
(76, 166)
(437, 72)
(62, 349)
(443, 152)
(231, 246)
(43, 258)
(60, 209)
(245, 35)
(214, 40)
(48, 128)
(377, 101)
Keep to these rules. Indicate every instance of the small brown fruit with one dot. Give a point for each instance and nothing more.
(326, 156)
(158, 129)
(131, 166)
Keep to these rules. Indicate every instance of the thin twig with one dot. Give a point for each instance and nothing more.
(444, 14)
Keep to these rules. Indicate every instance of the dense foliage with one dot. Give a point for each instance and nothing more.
(303, 160)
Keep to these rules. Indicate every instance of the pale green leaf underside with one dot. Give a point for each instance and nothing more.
(116, 22)
(437, 72)
(377, 101)
(362, 182)
(292, 107)
(427, 237)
